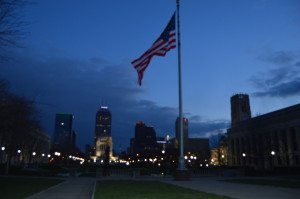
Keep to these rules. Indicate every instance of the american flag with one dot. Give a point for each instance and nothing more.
(165, 42)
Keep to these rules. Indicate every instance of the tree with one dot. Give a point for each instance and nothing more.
(11, 24)
(19, 121)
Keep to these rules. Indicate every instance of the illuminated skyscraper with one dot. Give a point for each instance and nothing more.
(103, 139)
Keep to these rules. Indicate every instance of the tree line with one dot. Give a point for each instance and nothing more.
(20, 131)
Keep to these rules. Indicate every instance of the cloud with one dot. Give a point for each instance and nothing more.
(279, 82)
(61, 84)
(287, 89)
(278, 57)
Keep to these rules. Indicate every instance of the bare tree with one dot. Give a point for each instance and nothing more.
(11, 24)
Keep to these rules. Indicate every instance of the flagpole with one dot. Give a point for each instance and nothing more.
(181, 165)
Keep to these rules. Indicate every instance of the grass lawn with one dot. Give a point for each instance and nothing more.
(276, 183)
(15, 187)
(129, 189)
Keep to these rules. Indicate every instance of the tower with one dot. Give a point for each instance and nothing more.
(240, 108)
(62, 139)
(103, 139)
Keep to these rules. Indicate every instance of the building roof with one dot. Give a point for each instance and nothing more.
(287, 114)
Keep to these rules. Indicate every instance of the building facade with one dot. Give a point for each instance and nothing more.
(144, 142)
(266, 141)
(103, 138)
(63, 133)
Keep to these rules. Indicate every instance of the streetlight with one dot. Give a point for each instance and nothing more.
(3, 148)
(43, 154)
(163, 151)
(19, 151)
(272, 152)
(34, 153)
(49, 155)
(244, 154)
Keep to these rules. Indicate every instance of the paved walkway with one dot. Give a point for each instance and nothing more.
(72, 188)
(236, 190)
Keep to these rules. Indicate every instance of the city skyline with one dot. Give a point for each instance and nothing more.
(68, 65)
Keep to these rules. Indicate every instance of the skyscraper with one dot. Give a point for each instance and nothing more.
(103, 122)
(185, 131)
(62, 139)
(103, 139)
(145, 139)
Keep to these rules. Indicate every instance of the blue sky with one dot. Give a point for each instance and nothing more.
(77, 54)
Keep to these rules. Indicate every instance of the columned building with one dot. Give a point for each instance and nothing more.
(103, 139)
(265, 141)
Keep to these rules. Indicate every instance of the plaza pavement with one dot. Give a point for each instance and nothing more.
(72, 188)
(82, 188)
(236, 190)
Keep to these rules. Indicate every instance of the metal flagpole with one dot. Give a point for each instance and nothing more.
(181, 165)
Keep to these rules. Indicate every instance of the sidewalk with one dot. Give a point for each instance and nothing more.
(236, 190)
(72, 188)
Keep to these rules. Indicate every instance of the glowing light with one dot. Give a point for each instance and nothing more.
(19, 151)
(3, 148)
(145, 160)
(127, 163)
(206, 165)
(49, 155)
(189, 160)
(200, 165)
(94, 159)
(272, 152)
(34, 153)
(43, 154)
(158, 164)
(223, 156)
(62, 123)
(185, 157)
(244, 154)
(163, 151)
(192, 157)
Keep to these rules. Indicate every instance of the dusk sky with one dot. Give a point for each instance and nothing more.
(77, 55)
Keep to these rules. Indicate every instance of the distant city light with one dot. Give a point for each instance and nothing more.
(3, 148)
(189, 160)
(137, 154)
(272, 152)
(158, 164)
(206, 165)
(163, 151)
(43, 154)
(94, 159)
(222, 156)
(192, 157)
(34, 153)
(104, 107)
(200, 165)
(62, 123)
(244, 154)
(145, 160)
(185, 157)
(49, 155)
(195, 158)
(127, 163)
(19, 151)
